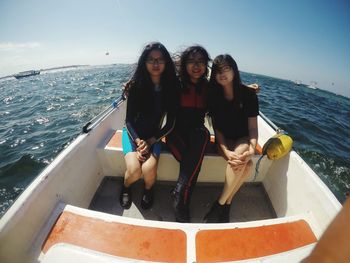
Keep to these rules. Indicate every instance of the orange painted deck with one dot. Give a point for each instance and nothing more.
(118, 239)
(116, 142)
(170, 245)
(252, 242)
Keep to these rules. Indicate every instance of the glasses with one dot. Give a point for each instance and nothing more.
(224, 69)
(199, 62)
(155, 61)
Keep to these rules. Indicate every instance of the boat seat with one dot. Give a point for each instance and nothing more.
(217, 245)
(148, 240)
(117, 236)
(115, 143)
(213, 164)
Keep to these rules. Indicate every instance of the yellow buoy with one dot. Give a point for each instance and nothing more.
(277, 146)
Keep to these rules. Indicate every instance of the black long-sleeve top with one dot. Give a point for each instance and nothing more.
(144, 124)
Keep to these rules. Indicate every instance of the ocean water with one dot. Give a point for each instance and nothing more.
(41, 115)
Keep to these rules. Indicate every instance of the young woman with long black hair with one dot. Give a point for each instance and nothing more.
(234, 109)
(189, 138)
(152, 93)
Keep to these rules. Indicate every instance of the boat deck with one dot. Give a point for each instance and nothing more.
(250, 203)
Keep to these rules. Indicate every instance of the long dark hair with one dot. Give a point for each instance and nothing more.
(216, 90)
(185, 78)
(141, 86)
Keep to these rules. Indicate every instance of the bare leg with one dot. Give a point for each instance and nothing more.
(132, 174)
(133, 169)
(234, 178)
(242, 179)
(149, 171)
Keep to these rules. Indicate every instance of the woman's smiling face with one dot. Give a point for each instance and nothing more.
(196, 66)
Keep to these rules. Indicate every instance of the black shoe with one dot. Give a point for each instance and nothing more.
(225, 214)
(182, 214)
(182, 211)
(147, 199)
(214, 214)
(125, 197)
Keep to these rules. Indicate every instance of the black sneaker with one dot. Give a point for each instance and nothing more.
(125, 197)
(214, 214)
(147, 199)
(182, 214)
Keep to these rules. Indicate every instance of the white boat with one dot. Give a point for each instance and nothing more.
(28, 73)
(297, 82)
(312, 85)
(71, 212)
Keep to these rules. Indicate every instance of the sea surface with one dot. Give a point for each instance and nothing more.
(41, 115)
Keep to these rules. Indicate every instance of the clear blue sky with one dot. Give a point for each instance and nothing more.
(296, 40)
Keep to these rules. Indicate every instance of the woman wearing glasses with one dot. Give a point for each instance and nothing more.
(189, 138)
(152, 94)
(234, 109)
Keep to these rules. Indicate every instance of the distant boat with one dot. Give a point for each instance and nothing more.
(297, 82)
(312, 85)
(28, 73)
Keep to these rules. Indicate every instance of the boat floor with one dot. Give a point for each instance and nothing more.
(250, 203)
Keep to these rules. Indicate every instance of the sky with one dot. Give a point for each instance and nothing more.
(295, 40)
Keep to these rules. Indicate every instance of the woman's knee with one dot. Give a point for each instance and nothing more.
(241, 148)
(243, 170)
(149, 168)
(149, 172)
(133, 171)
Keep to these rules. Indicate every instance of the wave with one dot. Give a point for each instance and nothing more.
(334, 172)
(14, 178)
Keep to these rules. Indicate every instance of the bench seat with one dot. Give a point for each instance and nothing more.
(213, 167)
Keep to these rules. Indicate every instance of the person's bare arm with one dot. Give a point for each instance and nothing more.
(334, 244)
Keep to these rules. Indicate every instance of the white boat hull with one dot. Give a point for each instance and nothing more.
(73, 177)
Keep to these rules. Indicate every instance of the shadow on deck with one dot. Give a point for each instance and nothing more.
(250, 203)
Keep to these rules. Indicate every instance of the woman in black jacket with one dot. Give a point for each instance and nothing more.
(152, 93)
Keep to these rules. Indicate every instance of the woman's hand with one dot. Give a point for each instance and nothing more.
(254, 87)
(238, 161)
(234, 159)
(247, 155)
(142, 147)
(142, 158)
